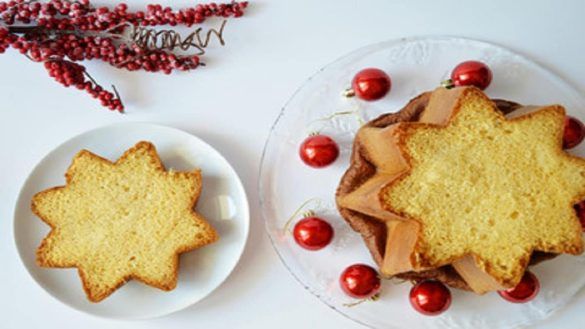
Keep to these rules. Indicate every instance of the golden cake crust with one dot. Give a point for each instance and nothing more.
(532, 183)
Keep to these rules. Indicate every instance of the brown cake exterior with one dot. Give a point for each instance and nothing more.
(372, 230)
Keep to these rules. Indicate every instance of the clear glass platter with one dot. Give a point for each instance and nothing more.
(415, 65)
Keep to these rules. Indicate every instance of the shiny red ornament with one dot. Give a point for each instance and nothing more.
(313, 233)
(580, 210)
(371, 84)
(574, 132)
(524, 292)
(430, 297)
(318, 151)
(471, 73)
(360, 281)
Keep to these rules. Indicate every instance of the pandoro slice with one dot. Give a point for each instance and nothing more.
(122, 220)
(487, 191)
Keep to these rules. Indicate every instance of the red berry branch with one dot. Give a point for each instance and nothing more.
(62, 32)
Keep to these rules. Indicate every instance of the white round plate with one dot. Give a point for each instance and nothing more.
(415, 65)
(223, 202)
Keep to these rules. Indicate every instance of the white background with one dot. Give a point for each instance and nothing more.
(232, 104)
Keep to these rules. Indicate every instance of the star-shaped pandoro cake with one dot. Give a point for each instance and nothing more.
(468, 187)
(124, 220)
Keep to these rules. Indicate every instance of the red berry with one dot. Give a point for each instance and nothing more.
(430, 297)
(574, 132)
(580, 210)
(472, 73)
(524, 292)
(122, 7)
(371, 84)
(313, 233)
(360, 281)
(318, 151)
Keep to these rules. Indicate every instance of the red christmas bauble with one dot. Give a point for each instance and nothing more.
(430, 297)
(313, 233)
(580, 210)
(524, 292)
(574, 132)
(371, 84)
(360, 281)
(318, 151)
(472, 73)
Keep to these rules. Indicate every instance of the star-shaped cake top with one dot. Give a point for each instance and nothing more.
(468, 183)
(125, 220)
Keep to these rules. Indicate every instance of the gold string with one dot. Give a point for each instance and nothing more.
(298, 211)
(373, 299)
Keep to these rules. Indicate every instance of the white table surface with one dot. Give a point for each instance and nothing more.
(231, 104)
